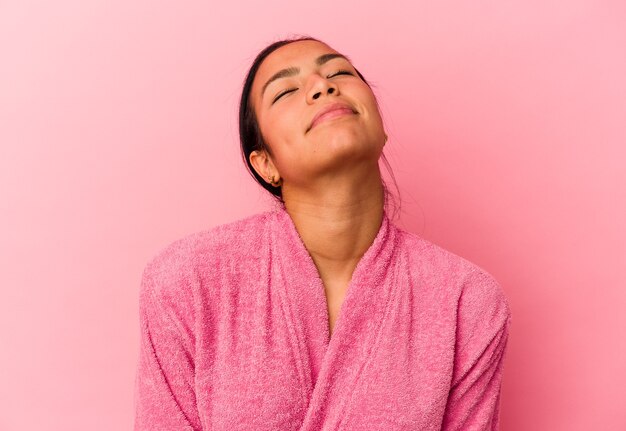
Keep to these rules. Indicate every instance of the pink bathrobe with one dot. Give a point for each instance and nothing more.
(235, 336)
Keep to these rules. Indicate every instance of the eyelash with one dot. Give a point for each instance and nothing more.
(339, 72)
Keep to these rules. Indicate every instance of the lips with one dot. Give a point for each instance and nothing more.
(331, 110)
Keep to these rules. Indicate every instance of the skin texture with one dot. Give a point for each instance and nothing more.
(330, 178)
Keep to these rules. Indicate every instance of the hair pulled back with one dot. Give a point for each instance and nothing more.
(249, 131)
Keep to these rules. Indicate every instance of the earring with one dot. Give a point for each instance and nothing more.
(272, 181)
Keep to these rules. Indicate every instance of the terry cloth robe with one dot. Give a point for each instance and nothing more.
(235, 335)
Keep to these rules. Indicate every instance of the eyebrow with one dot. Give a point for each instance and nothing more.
(291, 71)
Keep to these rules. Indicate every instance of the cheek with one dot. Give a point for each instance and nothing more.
(372, 105)
(283, 126)
(375, 115)
(282, 133)
(367, 99)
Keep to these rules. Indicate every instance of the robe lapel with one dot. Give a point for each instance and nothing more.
(329, 368)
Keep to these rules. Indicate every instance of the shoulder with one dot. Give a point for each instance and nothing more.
(186, 262)
(472, 288)
(224, 238)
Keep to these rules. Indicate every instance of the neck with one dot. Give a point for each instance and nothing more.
(338, 220)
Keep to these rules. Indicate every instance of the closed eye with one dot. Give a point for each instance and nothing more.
(339, 72)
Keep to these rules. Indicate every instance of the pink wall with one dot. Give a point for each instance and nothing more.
(118, 134)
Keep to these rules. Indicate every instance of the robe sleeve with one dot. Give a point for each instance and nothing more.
(164, 383)
(483, 321)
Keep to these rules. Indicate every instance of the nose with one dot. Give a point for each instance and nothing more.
(321, 86)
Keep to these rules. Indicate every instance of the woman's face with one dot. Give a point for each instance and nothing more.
(285, 109)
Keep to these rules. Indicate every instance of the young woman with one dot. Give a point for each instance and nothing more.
(320, 314)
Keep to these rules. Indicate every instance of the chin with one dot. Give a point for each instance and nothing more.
(339, 149)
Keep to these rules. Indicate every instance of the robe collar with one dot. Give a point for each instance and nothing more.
(328, 365)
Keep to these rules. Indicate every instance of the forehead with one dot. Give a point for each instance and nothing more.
(293, 54)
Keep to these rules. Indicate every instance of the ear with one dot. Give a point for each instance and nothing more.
(263, 165)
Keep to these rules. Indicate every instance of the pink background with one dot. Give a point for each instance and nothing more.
(118, 134)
